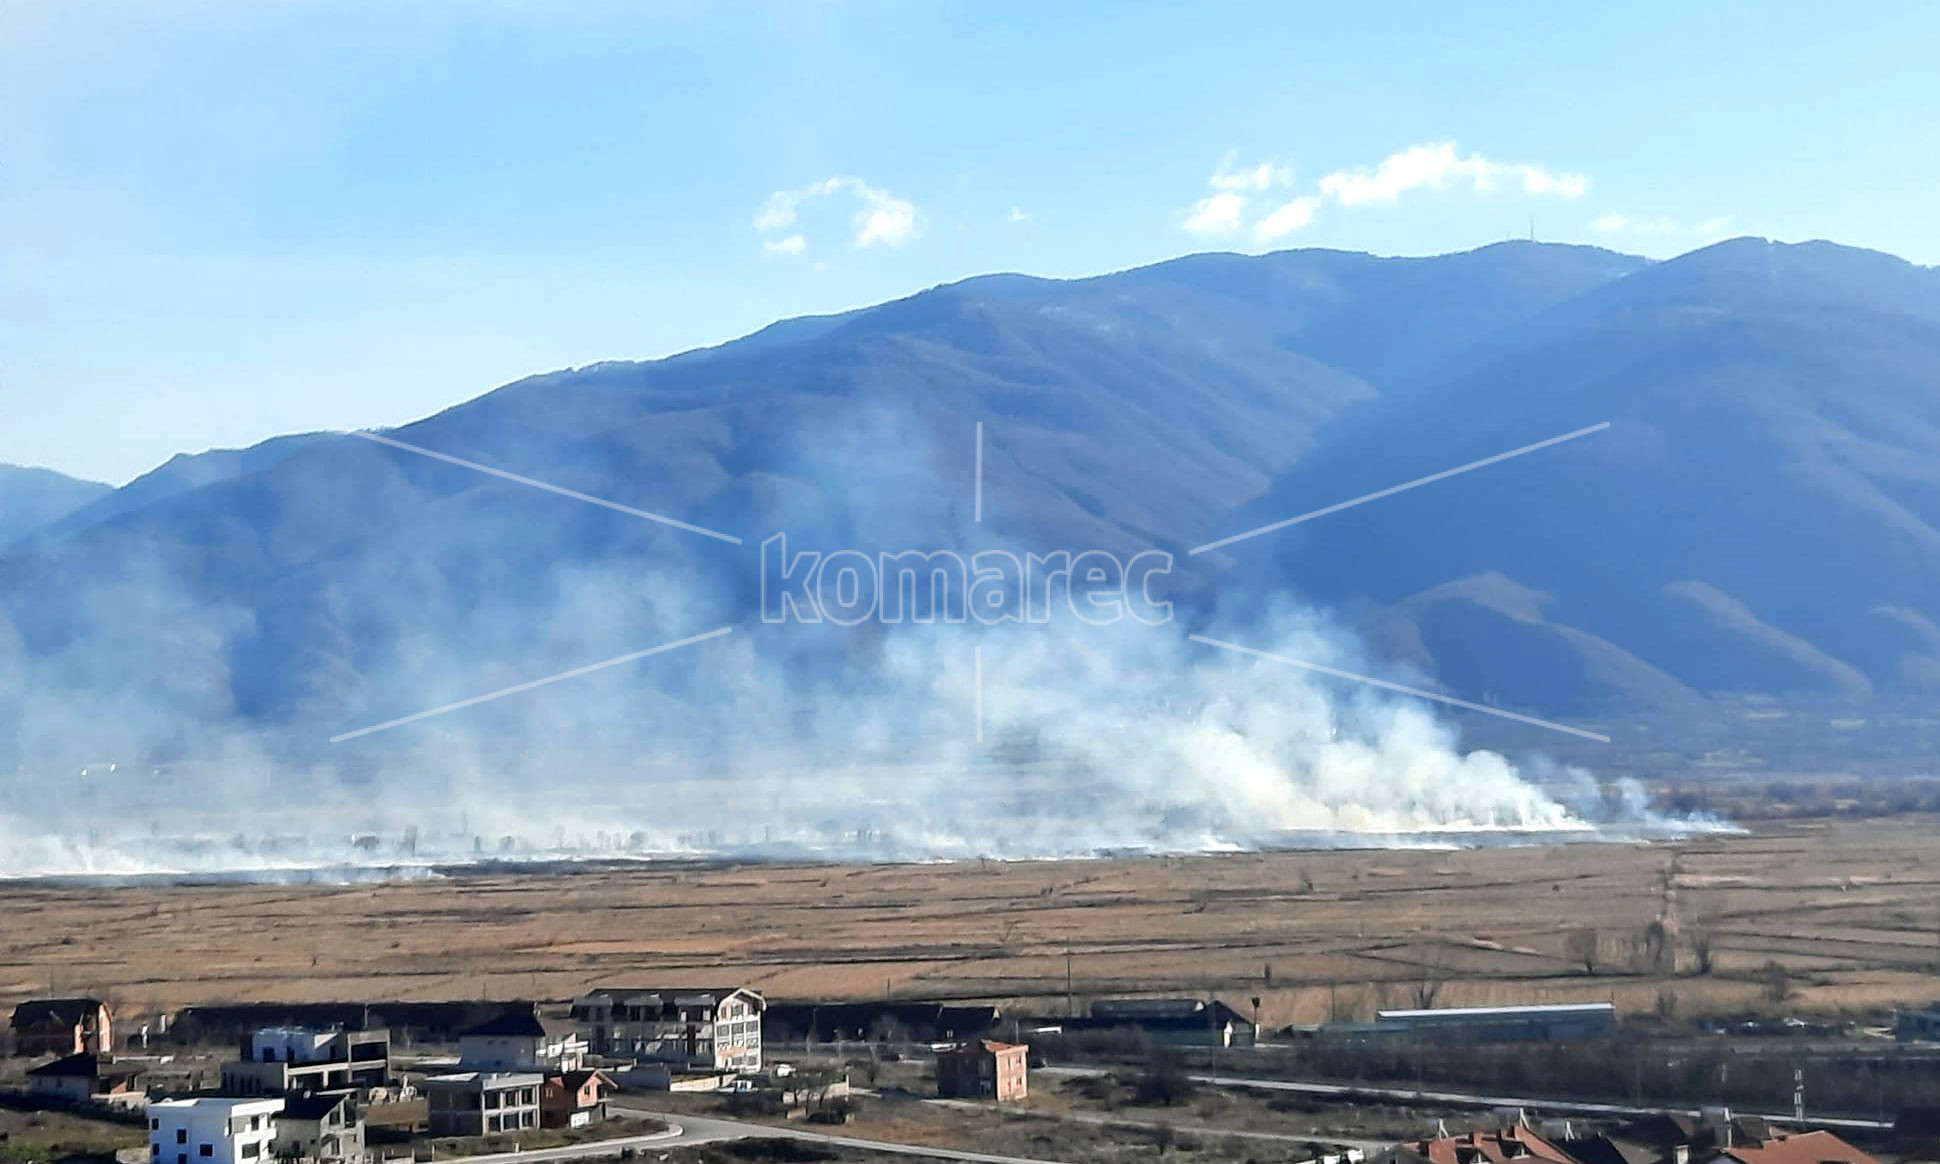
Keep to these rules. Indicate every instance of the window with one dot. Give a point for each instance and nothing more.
(181, 1135)
(154, 1124)
(251, 1150)
(205, 1150)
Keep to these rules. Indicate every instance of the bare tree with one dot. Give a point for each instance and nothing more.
(1585, 948)
(1655, 948)
(1703, 938)
(1164, 1081)
(1778, 982)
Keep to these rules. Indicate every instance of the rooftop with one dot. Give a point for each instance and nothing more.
(216, 1103)
(61, 1010)
(1799, 1148)
(86, 1066)
(511, 1023)
(1558, 1008)
(715, 992)
(294, 1032)
(1490, 1148)
(488, 1079)
(314, 1107)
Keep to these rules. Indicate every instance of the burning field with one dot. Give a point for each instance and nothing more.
(1843, 909)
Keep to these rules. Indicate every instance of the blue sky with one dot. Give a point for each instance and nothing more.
(222, 221)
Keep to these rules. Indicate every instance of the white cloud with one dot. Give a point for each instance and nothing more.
(1240, 195)
(1225, 210)
(1291, 216)
(886, 220)
(778, 213)
(1436, 167)
(881, 219)
(1019, 214)
(1261, 177)
(1217, 214)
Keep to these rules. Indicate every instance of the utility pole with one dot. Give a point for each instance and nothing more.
(1070, 1010)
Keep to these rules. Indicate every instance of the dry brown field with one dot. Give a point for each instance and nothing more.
(1850, 908)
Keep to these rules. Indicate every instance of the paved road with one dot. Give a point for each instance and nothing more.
(710, 1129)
(1471, 1099)
(596, 1149)
(1368, 1147)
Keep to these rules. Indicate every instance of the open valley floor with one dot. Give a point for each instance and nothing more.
(1814, 916)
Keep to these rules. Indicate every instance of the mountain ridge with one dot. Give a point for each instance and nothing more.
(32, 497)
(1640, 570)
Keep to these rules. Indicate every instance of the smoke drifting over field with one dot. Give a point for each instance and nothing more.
(1124, 738)
(866, 741)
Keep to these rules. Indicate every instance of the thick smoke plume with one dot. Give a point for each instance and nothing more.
(789, 740)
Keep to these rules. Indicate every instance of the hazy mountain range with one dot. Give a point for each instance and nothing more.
(31, 499)
(1761, 520)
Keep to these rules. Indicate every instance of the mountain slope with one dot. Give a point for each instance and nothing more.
(32, 498)
(1769, 483)
(1762, 517)
(183, 473)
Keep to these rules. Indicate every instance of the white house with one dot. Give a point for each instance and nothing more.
(211, 1131)
(295, 1060)
(519, 1040)
(291, 1045)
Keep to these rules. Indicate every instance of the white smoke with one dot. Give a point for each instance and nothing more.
(1094, 740)
(786, 740)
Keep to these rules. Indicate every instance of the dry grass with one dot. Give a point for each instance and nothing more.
(1851, 908)
(27, 1136)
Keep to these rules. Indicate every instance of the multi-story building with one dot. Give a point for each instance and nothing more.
(687, 1028)
(211, 1131)
(483, 1103)
(574, 1099)
(985, 1069)
(297, 1060)
(62, 1026)
(323, 1128)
